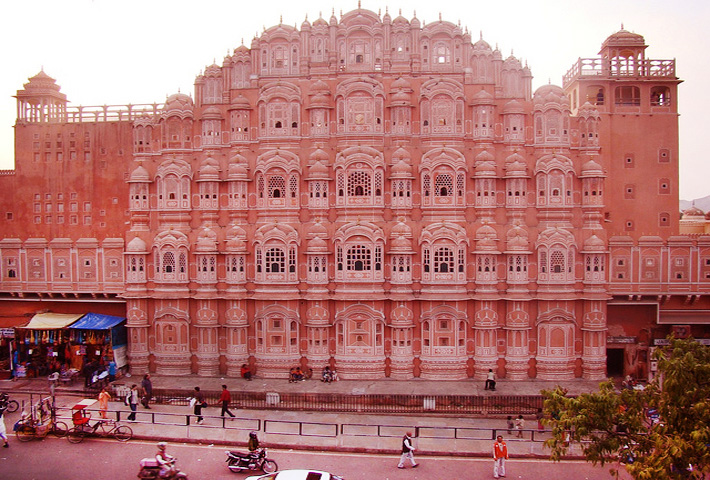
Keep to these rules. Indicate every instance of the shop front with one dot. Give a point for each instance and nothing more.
(70, 344)
(43, 345)
(101, 339)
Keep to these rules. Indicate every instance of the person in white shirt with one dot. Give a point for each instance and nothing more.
(407, 451)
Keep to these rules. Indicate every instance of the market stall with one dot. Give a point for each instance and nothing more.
(104, 338)
(43, 344)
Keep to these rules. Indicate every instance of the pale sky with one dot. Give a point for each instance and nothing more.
(118, 52)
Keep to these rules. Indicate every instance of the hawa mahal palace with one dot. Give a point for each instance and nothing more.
(377, 194)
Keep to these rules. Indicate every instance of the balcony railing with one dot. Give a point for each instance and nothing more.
(601, 67)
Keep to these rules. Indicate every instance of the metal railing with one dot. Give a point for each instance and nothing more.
(304, 429)
(483, 405)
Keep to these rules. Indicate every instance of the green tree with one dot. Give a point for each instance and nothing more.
(654, 433)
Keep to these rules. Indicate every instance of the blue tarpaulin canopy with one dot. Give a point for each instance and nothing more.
(117, 326)
(97, 321)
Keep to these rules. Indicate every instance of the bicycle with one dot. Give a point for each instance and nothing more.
(11, 406)
(102, 428)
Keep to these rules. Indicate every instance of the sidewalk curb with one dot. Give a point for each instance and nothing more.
(369, 451)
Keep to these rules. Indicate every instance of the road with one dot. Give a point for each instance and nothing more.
(97, 459)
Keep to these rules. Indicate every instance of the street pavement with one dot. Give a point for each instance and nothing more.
(437, 434)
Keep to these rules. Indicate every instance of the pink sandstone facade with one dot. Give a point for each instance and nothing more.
(373, 193)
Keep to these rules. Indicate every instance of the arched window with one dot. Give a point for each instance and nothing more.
(275, 260)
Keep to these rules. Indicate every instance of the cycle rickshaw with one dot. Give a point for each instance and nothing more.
(40, 420)
(103, 426)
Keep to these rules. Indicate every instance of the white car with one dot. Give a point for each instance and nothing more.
(297, 475)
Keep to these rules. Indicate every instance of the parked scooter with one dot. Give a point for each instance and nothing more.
(256, 460)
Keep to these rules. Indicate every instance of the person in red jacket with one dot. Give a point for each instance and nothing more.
(225, 398)
(500, 455)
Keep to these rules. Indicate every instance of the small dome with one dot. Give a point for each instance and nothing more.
(319, 86)
(401, 154)
(624, 38)
(206, 241)
(212, 113)
(320, 22)
(592, 169)
(513, 106)
(516, 169)
(317, 245)
(401, 229)
(42, 83)
(136, 246)
(317, 230)
(318, 171)
(550, 94)
(400, 245)
(594, 244)
(402, 169)
(517, 239)
(485, 156)
(238, 168)
(485, 169)
(179, 101)
(400, 20)
(235, 245)
(482, 98)
(139, 175)
(241, 49)
(486, 231)
(512, 63)
(209, 170)
(515, 157)
(402, 314)
(319, 155)
(486, 239)
(240, 103)
(482, 45)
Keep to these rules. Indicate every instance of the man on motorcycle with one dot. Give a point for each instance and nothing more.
(166, 462)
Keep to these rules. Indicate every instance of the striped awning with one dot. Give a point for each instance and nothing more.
(52, 321)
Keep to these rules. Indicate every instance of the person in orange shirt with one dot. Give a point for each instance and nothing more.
(104, 398)
(500, 455)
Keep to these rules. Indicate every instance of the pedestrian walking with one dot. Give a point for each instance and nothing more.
(3, 430)
(199, 404)
(500, 455)
(104, 398)
(53, 380)
(133, 402)
(225, 397)
(407, 451)
(519, 426)
(147, 388)
(511, 424)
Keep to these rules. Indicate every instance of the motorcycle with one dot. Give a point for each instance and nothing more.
(240, 461)
(150, 470)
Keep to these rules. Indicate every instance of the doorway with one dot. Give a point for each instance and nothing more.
(615, 362)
